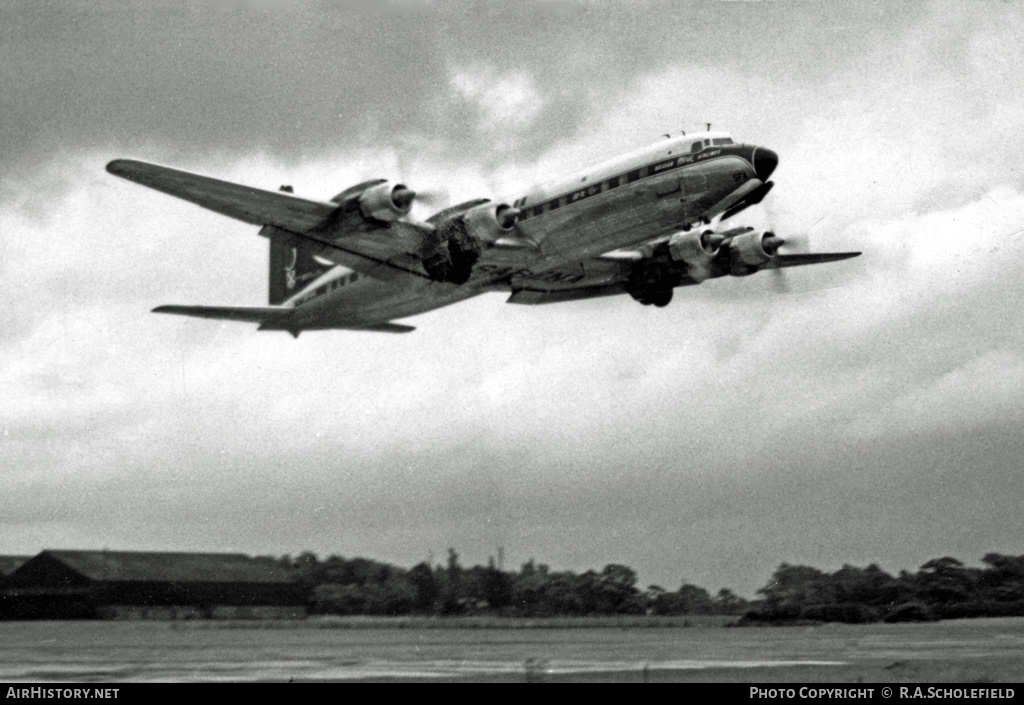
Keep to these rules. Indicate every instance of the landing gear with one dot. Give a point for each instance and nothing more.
(661, 299)
(455, 256)
(652, 286)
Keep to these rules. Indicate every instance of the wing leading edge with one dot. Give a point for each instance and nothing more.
(251, 205)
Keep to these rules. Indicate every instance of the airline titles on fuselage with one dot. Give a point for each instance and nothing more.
(627, 177)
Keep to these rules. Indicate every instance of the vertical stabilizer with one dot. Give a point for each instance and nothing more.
(292, 266)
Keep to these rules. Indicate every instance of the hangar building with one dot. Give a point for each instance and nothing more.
(59, 584)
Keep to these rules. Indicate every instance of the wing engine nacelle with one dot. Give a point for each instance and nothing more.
(697, 250)
(386, 201)
(490, 221)
(752, 250)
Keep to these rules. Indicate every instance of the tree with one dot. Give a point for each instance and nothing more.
(425, 599)
(945, 580)
(793, 588)
(496, 587)
(694, 599)
(867, 586)
(727, 602)
(1004, 580)
(451, 600)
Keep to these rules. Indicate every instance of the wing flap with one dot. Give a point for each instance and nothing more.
(533, 297)
(245, 203)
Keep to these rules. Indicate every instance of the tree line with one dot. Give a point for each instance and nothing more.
(360, 586)
(943, 588)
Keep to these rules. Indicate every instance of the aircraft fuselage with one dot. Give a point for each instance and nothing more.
(651, 192)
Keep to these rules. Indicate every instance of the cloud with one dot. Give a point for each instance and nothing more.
(505, 102)
(710, 440)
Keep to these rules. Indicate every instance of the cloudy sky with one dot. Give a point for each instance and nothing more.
(871, 414)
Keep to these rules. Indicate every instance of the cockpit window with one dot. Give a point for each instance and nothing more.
(697, 146)
(723, 140)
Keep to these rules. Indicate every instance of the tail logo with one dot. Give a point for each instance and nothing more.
(289, 270)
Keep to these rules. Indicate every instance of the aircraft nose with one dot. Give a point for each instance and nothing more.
(765, 161)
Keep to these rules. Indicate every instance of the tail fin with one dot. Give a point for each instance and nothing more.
(292, 266)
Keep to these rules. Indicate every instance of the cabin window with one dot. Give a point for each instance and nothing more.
(633, 176)
(554, 204)
(537, 210)
(613, 182)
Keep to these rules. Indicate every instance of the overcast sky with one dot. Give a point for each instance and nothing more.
(873, 413)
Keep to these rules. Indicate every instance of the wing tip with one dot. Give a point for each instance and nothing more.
(117, 167)
(129, 168)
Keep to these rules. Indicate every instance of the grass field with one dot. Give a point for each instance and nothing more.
(484, 649)
(332, 622)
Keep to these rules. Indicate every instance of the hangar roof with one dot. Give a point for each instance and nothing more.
(131, 566)
(9, 564)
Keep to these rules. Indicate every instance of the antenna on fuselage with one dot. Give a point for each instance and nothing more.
(709, 127)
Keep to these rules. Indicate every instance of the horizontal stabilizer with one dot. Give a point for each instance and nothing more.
(389, 328)
(253, 314)
(811, 258)
(251, 205)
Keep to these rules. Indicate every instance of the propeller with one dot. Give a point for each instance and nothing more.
(791, 244)
(794, 244)
(435, 197)
(432, 197)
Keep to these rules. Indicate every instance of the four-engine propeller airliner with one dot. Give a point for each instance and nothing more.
(638, 224)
